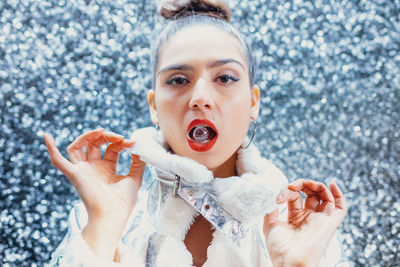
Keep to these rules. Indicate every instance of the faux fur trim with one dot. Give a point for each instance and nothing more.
(249, 197)
(257, 187)
(176, 217)
(151, 148)
(222, 252)
(173, 252)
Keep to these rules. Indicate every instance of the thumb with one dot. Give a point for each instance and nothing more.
(270, 221)
(137, 169)
(57, 158)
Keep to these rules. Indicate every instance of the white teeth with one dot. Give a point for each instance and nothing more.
(201, 134)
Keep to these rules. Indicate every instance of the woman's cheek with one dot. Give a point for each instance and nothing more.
(239, 122)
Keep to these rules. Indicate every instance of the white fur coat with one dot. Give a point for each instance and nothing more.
(155, 232)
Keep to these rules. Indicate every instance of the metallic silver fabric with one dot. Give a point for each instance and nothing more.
(207, 206)
(203, 199)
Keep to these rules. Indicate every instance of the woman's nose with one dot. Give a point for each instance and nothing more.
(202, 96)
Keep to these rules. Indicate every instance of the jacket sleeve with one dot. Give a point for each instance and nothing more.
(74, 251)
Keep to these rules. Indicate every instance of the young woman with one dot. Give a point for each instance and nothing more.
(213, 200)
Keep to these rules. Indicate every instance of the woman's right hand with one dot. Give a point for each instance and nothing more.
(108, 197)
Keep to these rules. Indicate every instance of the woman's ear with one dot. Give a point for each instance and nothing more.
(255, 102)
(152, 107)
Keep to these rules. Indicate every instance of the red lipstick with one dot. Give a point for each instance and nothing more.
(202, 146)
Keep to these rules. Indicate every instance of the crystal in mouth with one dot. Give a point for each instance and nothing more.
(202, 134)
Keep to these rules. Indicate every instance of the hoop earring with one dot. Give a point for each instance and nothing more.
(156, 127)
(253, 132)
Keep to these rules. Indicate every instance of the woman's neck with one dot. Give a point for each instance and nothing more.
(227, 169)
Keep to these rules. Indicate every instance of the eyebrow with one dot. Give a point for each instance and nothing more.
(213, 64)
(175, 67)
(225, 61)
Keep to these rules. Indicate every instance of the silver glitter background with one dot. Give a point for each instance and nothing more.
(330, 78)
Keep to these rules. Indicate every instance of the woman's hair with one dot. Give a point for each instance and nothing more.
(185, 13)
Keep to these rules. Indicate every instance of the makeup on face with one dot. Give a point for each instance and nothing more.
(203, 101)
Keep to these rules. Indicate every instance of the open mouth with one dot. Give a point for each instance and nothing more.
(202, 135)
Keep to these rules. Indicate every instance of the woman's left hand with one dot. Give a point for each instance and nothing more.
(302, 240)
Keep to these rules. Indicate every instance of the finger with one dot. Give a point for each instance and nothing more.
(340, 201)
(294, 201)
(57, 159)
(113, 150)
(319, 197)
(75, 151)
(93, 148)
(112, 137)
(270, 220)
(316, 187)
(282, 197)
(324, 195)
(296, 185)
(312, 201)
(137, 169)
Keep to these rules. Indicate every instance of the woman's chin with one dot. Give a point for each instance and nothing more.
(210, 160)
(220, 161)
(220, 166)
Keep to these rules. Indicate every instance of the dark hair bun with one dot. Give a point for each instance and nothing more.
(175, 9)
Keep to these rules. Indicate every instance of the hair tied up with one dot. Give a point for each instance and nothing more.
(176, 9)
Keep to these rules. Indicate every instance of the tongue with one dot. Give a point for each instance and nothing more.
(201, 134)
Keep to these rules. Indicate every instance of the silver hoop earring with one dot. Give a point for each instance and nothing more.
(253, 132)
(156, 127)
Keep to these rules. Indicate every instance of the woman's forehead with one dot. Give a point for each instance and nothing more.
(200, 43)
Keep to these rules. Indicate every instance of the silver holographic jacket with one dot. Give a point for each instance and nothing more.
(180, 190)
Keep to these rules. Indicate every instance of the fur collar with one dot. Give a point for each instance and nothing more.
(257, 185)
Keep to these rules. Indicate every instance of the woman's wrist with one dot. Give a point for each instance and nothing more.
(103, 236)
(303, 259)
(293, 263)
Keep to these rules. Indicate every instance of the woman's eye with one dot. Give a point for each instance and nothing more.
(177, 81)
(227, 78)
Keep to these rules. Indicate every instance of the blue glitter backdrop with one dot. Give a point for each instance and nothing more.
(330, 78)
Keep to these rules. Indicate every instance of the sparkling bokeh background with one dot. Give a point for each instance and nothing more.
(330, 78)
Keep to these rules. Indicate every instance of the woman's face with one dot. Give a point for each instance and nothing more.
(202, 100)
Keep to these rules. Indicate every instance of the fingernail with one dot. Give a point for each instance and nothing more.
(333, 180)
(130, 142)
(115, 135)
(280, 197)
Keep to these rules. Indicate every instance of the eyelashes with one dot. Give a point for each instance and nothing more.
(224, 79)
(177, 81)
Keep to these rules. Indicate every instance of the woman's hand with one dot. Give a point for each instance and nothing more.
(108, 197)
(302, 240)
